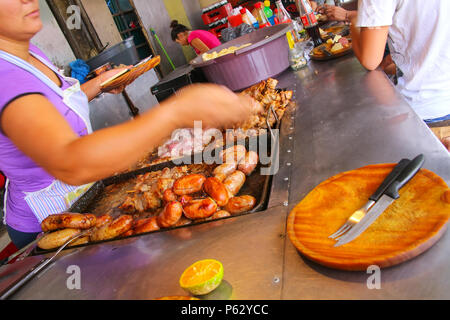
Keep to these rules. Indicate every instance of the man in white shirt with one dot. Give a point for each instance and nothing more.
(418, 34)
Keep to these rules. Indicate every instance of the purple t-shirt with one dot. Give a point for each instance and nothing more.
(23, 173)
(207, 37)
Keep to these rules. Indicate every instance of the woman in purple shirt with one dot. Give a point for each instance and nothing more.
(200, 40)
(48, 151)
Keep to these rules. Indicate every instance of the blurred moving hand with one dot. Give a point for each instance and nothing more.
(216, 106)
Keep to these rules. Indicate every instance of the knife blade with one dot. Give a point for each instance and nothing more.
(361, 212)
(389, 196)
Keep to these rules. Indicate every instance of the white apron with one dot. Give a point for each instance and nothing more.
(58, 196)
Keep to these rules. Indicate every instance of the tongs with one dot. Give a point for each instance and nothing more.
(39, 267)
(275, 148)
(268, 123)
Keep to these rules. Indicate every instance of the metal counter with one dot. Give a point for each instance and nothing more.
(346, 118)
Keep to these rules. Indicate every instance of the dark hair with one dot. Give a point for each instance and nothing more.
(177, 29)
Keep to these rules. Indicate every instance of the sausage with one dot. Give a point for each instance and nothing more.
(113, 229)
(233, 154)
(224, 170)
(183, 222)
(216, 190)
(220, 214)
(170, 215)
(201, 208)
(249, 163)
(184, 200)
(188, 184)
(68, 220)
(240, 204)
(169, 196)
(234, 182)
(79, 241)
(127, 234)
(57, 238)
(146, 225)
(102, 220)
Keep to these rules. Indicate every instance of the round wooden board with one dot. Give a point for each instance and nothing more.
(410, 226)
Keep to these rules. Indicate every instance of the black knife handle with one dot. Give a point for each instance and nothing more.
(390, 179)
(407, 174)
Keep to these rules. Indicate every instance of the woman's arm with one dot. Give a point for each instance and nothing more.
(35, 126)
(199, 45)
(369, 44)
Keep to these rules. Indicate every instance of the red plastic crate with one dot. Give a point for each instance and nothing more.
(217, 14)
(217, 30)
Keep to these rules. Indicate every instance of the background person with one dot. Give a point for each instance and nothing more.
(200, 40)
(418, 37)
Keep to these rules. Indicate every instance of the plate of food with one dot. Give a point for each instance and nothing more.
(331, 31)
(332, 48)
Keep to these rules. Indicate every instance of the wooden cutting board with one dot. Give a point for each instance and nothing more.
(410, 226)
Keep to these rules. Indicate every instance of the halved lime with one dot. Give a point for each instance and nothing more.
(202, 277)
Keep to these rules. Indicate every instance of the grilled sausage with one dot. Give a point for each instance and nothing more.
(146, 225)
(233, 154)
(102, 220)
(113, 229)
(224, 170)
(79, 241)
(216, 190)
(220, 214)
(127, 234)
(68, 220)
(240, 204)
(57, 238)
(184, 200)
(249, 163)
(188, 184)
(234, 182)
(170, 215)
(169, 196)
(199, 209)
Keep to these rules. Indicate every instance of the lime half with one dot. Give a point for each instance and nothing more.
(202, 277)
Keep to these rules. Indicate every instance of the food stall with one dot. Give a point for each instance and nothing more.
(345, 118)
(341, 118)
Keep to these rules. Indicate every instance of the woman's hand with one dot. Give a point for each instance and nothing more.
(92, 87)
(108, 75)
(216, 106)
(335, 13)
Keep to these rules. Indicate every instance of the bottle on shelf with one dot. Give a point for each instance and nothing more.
(260, 16)
(275, 14)
(249, 17)
(282, 14)
(268, 12)
(309, 21)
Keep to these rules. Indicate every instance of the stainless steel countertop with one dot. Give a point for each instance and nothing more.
(346, 118)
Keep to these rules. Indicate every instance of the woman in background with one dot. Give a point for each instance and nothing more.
(200, 40)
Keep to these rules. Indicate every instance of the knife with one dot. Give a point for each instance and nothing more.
(361, 212)
(389, 196)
